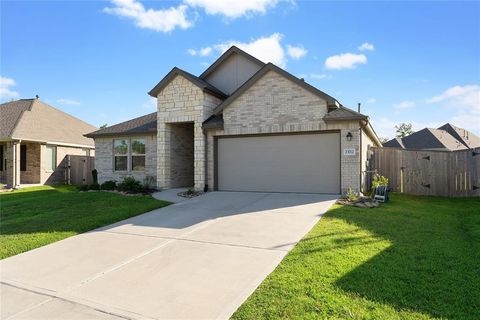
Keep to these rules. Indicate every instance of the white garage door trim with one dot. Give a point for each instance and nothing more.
(309, 162)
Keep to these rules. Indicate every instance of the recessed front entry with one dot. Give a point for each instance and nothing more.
(181, 154)
(308, 163)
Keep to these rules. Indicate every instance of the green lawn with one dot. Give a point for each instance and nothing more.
(412, 258)
(33, 217)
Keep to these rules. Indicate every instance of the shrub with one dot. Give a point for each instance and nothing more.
(109, 185)
(130, 185)
(379, 180)
(83, 187)
(351, 196)
(94, 186)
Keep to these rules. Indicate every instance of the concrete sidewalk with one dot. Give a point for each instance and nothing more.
(197, 259)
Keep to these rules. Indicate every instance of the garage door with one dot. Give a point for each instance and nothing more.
(307, 163)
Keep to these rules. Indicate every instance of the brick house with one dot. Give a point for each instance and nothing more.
(34, 140)
(242, 125)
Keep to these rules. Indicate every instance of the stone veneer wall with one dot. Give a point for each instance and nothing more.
(104, 159)
(181, 101)
(275, 105)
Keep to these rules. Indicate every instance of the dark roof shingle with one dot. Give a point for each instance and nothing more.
(143, 124)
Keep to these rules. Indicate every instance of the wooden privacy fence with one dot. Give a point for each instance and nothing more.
(78, 169)
(422, 172)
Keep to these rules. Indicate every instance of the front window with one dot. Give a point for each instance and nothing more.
(1, 158)
(138, 155)
(120, 152)
(51, 158)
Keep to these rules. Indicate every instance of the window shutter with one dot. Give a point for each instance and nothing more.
(23, 158)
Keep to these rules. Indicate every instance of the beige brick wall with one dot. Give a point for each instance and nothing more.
(181, 101)
(32, 174)
(276, 105)
(104, 159)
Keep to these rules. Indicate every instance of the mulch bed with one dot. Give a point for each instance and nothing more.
(190, 194)
(362, 202)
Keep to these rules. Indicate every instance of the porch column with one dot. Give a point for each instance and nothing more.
(199, 157)
(163, 155)
(12, 155)
(16, 163)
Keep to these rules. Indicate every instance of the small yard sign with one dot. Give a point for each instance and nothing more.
(348, 152)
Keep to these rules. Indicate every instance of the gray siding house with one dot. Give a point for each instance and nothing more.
(35, 139)
(242, 125)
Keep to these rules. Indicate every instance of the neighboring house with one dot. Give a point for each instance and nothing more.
(447, 137)
(34, 140)
(242, 125)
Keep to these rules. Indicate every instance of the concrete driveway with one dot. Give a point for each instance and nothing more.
(198, 259)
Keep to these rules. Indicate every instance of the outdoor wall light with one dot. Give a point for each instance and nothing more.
(349, 136)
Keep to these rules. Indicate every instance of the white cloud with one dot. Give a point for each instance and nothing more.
(366, 47)
(460, 97)
(404, 105)
(162, 20)
(296, 52)
(6, 91)
(151, 103)
(371, 101)
(320, 76)
(69, 102)
(233, 8)
(204, 52)
(267, 49)
(467, 120)
(465, 100)
(345, 61)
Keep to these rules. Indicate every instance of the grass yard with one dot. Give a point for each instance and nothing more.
(33, 217)
(412, 258)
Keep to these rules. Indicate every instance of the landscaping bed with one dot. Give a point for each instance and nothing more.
(33, 217)
(411, 258)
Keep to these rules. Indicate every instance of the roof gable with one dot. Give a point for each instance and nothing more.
(257, 76)
(232, 50)
(202, 84)
(10, 114)
(428, 138)
(44, 123)
(467, 138)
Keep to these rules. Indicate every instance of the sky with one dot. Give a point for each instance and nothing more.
(415, 62)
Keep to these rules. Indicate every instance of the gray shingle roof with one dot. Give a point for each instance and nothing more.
(343, 113)
(464, 136)
(34, 120)
(10, 114)
(143, 124)
(202, 84)
(394, 143)
(447, 137)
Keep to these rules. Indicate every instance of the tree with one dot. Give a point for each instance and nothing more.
(404, 129)
(383, 140)
(103, 126)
